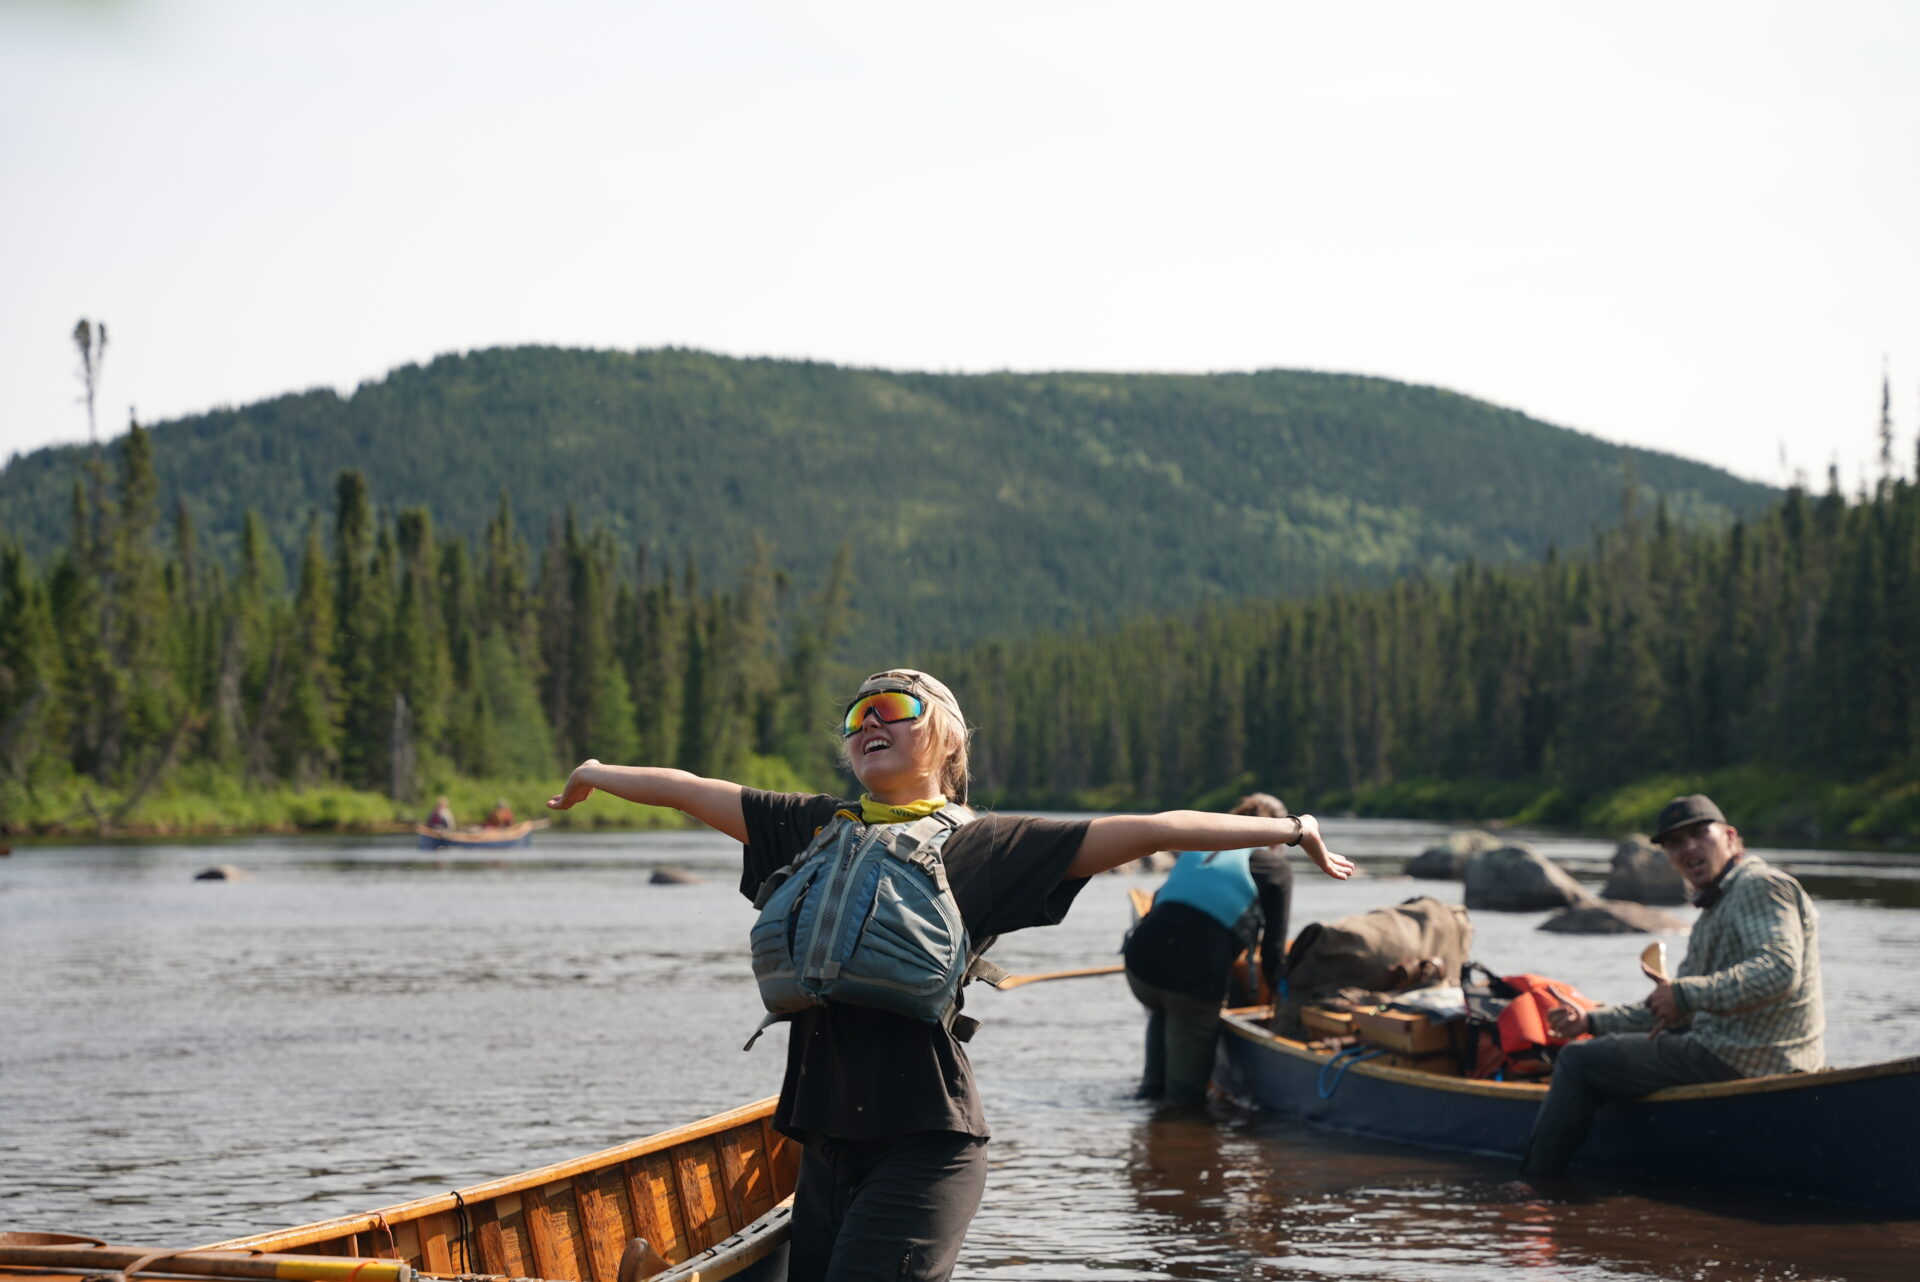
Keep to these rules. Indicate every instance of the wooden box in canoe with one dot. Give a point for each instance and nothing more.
(1844, 1135)
(706, 1201)
(519, 834)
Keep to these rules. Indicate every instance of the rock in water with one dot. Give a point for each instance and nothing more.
(1612, 917)
(1643, 873)
(1448, 861)
(675, 877)
(1513, 879)
(221, 872)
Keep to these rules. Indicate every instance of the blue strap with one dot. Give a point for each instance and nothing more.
(1341, 1062)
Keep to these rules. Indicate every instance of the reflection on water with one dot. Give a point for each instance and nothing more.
(1239, 1196)
(360, 1022)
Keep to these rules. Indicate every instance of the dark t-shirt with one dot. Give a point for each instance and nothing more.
(1183, 950)
(859, 1073)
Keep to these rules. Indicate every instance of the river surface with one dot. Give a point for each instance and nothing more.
(358, 1022)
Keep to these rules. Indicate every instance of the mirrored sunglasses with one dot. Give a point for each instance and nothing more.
(888, 705)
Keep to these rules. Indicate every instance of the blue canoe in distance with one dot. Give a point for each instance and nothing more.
(519, 834)
(1849, 1135)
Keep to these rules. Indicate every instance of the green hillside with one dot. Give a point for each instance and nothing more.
(1000, 503)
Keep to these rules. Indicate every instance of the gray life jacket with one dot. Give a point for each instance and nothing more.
(864, 916)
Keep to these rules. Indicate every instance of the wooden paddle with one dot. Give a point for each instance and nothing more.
(1016, 981)
(1653, 961)
(1653, 964)
(94, 1260)
(1139, 900)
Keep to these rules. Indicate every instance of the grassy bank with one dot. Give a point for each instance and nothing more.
(201, 801)
(1764, 803)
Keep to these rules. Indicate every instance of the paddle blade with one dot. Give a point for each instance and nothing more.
(1653, 961)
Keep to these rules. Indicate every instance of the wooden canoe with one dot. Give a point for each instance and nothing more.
(519, 834)
(1844, 1135)
(711, 1196)
(705, 1201)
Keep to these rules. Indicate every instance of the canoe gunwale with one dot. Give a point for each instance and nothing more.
(738, 1253)
(383, 1219)
(1246, 1022)
(97, 1259)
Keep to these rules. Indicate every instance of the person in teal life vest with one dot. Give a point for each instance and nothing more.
(893, 1157)
(1215, 905)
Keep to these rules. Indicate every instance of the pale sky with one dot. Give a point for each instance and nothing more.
(1687, 226)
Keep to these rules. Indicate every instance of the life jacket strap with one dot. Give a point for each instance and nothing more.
(986, 972)
(765, 1024)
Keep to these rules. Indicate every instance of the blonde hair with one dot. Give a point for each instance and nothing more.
(948, 734)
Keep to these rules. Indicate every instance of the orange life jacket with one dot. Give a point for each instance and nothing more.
(1521, 1042)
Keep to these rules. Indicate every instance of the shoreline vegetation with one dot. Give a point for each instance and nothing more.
(1770, 806)
(148, 686)
(203, 803)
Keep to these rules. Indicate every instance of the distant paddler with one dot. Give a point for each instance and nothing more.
(1745, 1003)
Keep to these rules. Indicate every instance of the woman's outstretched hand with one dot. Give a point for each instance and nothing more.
(577, 789)
(1338, 867)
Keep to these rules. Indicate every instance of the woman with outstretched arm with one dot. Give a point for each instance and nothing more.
(885, 1107)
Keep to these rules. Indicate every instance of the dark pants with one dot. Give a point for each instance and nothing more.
(1617, 1067)
(895, 1208)
(1181, 1030)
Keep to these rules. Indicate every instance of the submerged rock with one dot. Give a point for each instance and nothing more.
(1612, 917)
(221, 872)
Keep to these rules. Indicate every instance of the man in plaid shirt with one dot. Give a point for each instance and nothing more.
(1746, 1002)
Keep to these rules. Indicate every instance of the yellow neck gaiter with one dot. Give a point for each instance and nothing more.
(879, 812)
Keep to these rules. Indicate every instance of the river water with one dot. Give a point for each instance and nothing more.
(357, 1022)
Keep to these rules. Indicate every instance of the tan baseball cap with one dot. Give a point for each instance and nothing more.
(910, 681)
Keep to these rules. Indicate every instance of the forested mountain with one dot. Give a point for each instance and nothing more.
(1783, 653)
(972, 506)
(396, 662)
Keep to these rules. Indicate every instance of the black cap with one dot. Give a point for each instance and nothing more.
(1684, 812)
